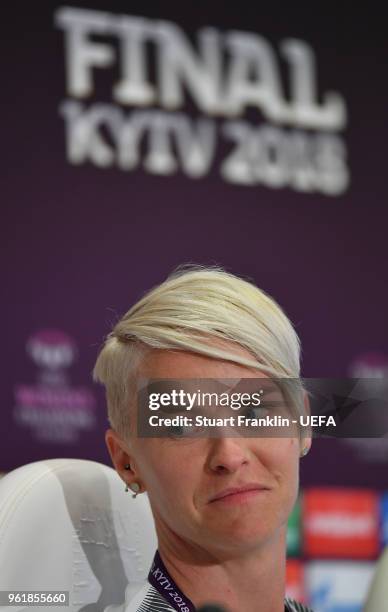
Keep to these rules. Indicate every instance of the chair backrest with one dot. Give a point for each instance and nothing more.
(68, 525)
(377, 598)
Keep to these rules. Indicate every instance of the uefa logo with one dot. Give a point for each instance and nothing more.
(51, 349)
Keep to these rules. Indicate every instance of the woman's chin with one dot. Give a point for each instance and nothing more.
(239, 534)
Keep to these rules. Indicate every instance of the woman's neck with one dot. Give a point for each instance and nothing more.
(249, 581)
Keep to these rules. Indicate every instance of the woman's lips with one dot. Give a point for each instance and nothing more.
(238, 494)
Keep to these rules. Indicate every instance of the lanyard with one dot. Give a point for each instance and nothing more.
(161, 580)
(165, 585)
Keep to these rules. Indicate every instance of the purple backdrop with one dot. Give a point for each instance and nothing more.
(82, 243)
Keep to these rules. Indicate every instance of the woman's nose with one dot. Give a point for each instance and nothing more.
(227, 454)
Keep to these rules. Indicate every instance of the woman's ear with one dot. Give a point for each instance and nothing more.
(119, 453)
(123, 461)
(306, 439)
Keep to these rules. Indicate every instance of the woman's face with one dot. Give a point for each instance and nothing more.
(183, 476)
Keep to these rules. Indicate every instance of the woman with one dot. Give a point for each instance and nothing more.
(220, 503)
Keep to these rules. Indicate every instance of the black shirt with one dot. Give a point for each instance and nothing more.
(148, 599)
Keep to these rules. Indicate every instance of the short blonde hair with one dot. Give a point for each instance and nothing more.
(193, 305)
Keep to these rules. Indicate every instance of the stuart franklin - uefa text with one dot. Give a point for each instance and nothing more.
(240, 421)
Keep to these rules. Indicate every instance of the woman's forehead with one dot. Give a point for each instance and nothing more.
(161, 363)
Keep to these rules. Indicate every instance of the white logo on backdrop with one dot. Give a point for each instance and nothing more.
(293, 143)
(52, 408)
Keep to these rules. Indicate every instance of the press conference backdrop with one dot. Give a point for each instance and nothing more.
(142, 136)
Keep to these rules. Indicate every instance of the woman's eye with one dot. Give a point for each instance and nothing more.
(257, 412)
(184, 431)
(176, 431)
(173, 430)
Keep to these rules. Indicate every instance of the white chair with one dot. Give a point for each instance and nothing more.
(377, 599)
(67, 524)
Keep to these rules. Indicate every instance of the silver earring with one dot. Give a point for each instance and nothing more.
(127, 467)
(135, 487)
(304, 451)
